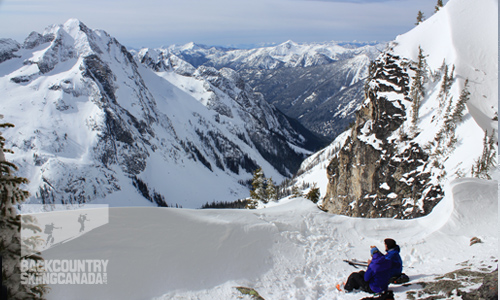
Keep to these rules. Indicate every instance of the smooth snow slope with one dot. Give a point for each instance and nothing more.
(290, 251)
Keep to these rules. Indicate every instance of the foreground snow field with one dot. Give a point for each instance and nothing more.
(288, 251)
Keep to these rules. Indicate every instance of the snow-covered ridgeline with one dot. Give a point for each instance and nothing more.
(287, 54)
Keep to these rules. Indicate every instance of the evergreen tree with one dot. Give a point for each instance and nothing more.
(271, 191)
(452, 76)
(445, 84)
(437, 75)
(487, 161)
(444, 88)
(251, 204)
(258, 184)
(371, 75)
(450, 127)
(458, 113)
(10, 229)
(438, 5)
(296, 193)
(417, 90)
(313, 194)
(420, 17)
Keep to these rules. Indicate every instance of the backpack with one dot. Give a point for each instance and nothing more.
(400, 279)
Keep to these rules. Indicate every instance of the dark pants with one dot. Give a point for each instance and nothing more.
(357, 281)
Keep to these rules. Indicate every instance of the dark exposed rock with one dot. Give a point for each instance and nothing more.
(21, 79)
(8, 48)
(123, 140)
(119, 145)
(475, 240)
(35, 39)
(56, 53)
(96, 69)
(456, 282)
(488, 289)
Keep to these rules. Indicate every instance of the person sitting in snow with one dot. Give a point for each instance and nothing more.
(392, 254)
(376, 277)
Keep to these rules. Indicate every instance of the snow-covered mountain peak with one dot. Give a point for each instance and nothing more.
(289, 44)
(287, 54)
(74, 33)
(193, 47)
(190, 46)
(63, 42)
(151, 53)
(284, 48)
(74, 26)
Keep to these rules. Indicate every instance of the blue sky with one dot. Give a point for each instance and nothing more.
(155, 23)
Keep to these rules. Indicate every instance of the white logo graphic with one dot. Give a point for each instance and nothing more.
(48, 226)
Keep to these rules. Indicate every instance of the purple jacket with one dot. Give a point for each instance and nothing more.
(378, 273)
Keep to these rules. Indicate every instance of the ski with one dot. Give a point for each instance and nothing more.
(356, 263)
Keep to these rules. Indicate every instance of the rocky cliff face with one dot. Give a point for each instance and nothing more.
(371, 176)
